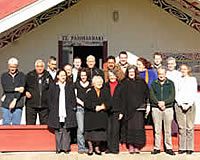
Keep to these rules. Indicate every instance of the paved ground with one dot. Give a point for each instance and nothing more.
(76, 156)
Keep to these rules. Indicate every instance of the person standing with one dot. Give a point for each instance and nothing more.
(52, 66)
(62, 117)
(115, 113)
(96, 117)
(134, 96)
(68, 70)
(13, 82)
(174, 75)
(123, 61)
(157, 60)
(77, 66)
(111, 65)
(162, 96)
(186, 109)
(92, 69)
(37, 88)
(82, 85)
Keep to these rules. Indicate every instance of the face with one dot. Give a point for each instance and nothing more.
(52, 65)
(83, 76)
(12, 68)
(91, 63)
(39, 68)
(171, 65)
(98, 84)
(112, 77)
(77, 63)
(157, 59)
(123, 59)
(62, 76)
(131, 73)
(68, 70)
(140, 66)
(162, 75)
(111, 64)
(184, 70)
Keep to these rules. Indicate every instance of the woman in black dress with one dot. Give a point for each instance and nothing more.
(62, 116)
(96, 118)
(115, 113)
(134, 96)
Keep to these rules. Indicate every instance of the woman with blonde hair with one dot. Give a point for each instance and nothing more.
(185, 111)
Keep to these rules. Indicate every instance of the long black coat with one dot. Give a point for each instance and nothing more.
(53, 120)
(115, 100)
(96, 120)
(134, 94)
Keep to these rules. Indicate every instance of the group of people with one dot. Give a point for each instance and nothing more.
(110, 105)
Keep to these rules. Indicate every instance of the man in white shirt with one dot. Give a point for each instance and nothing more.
(175, 76)
(77, 66)
(52, 66)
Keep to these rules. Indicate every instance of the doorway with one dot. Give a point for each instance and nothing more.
(84, 51)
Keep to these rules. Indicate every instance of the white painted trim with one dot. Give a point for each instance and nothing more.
(26, 13)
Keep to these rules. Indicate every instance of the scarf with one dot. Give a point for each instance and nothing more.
(62, 105)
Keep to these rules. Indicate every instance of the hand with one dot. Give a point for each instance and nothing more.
(161, 105)
(28, 95)
(19, 89)
(185, 107)
(98, 108)
(12, 104)
(120, 116)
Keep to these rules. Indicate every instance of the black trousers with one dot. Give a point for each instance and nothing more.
(63, 139)
(31, 115)
(113, 133)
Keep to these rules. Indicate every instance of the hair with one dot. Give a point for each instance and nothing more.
(82, 70)
(67, 64)
(189, 69)
(111, 57)
(52, 58)
(123, 52)
(13, 60)
(162, 68)
(39, 61)
(77, 58)
(58, 72)
(136, 71)
(171, 59)
(113, 72)
(158, 54)
(90, 57)
(95, 78)
(145, 62)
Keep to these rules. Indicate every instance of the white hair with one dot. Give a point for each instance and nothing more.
(90, 57)
(13, 60)
(39, 61)
(96, 78)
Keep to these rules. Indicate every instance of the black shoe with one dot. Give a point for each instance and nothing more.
(189, 152)
(170, 152)
(108, 152)
(155, 151)
(181, 151)
(58, 152)
(90, 153)
(97, 152)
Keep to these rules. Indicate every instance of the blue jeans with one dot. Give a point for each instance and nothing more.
(11, 116)
(80, 130)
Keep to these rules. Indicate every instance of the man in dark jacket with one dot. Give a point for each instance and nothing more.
(162, 95)
(37, 87)
(92, 69)
(13, 83)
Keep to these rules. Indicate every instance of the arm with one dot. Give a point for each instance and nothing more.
(171, 97)
(88, 101)
(152, 96)
(7, 87)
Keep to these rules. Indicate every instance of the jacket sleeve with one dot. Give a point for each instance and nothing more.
(73, 97)
(153, 98)
(88, 101)
(106, 98)
(171, 97)
(21, 84)
(7, 88)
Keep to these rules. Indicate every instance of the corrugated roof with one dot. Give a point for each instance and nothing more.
(8, 7)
